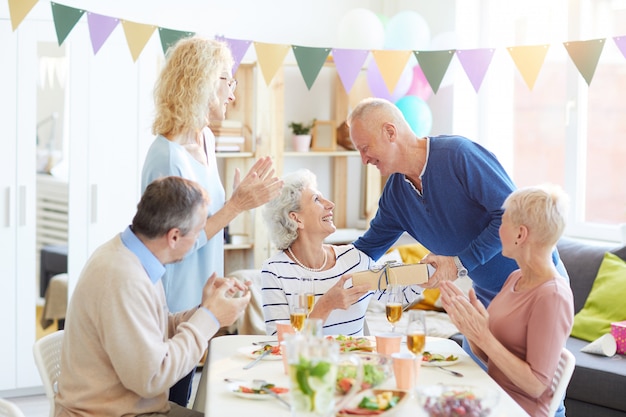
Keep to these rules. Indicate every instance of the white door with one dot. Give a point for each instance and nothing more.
(8, 208)
(18, 81)
(110, 98)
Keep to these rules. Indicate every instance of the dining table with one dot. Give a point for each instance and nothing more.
(228, 355)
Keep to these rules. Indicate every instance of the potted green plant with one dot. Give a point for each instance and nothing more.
(301, 138)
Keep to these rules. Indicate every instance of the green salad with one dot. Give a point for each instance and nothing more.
(373, 375)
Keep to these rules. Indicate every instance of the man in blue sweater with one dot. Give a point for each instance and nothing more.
(445, 191)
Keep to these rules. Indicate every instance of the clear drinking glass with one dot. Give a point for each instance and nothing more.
(393, 308)
(308, 289)
(416, 332)
(298, 311)
(313, 364)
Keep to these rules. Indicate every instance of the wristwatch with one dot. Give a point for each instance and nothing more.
(461, 271)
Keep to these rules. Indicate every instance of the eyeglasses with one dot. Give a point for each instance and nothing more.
(232, 83)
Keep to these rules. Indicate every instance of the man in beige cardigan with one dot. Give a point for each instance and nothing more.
(122, 349)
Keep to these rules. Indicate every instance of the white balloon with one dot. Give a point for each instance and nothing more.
(360, 29)
(443, 41)
(407, 30)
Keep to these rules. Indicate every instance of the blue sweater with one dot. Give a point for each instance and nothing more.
(458, 214)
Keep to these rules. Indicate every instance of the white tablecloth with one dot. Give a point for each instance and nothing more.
(224, 361)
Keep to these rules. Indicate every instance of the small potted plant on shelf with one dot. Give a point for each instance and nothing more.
(301, 136)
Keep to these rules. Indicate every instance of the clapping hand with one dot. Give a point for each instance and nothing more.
(467, 314)
(258, 187)
(217, 296)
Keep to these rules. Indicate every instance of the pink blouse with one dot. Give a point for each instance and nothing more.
(534, 325)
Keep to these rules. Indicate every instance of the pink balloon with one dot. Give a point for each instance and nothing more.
(419, 87)
(379, 88)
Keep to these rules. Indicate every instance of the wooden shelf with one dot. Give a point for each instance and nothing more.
(313, 154)
(238, 246)
(234, 154)
(260, 110)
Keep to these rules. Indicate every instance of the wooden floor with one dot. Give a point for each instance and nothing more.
(40, 331)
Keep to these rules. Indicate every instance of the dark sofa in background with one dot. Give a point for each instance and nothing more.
(598, 385)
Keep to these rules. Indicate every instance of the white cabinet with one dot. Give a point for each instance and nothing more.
(108, 111)
(17, 207)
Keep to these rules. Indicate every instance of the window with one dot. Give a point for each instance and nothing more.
(562, 130)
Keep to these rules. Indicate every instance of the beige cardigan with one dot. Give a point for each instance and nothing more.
(117, 357)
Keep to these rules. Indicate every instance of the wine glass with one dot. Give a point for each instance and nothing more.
(298, 308)
(308, 289)
(393, 308)
(416, 332)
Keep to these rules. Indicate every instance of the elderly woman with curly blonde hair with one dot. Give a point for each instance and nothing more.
(194, 88)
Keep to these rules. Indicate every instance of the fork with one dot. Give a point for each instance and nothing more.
(261, 384)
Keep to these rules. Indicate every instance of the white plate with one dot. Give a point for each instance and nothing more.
(248, 351)
(442, 363)
(233, 387)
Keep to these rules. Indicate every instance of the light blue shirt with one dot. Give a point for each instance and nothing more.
(154, 268)
(183, 281)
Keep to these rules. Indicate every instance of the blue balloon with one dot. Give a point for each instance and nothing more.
(417, 114)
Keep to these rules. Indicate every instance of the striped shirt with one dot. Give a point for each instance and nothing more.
(281, 278)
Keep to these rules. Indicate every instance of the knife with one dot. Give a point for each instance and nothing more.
(455, 373)
(268, 350)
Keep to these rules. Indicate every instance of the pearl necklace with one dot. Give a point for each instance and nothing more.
(306, 267)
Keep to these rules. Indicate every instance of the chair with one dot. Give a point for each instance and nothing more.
(561, 379)
(47, 352)
(8, 409)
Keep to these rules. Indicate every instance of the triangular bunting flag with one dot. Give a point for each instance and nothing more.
(65, 18)
(19, 9)
(169, 37)
(310, 61)
(529, 60)
(237, 47)
(434, 65)
(391, 64)
(585, 55)
(271, 57)
(137, 36)
(620, 41)
(475, 62)
(100, 28)
(348, 63)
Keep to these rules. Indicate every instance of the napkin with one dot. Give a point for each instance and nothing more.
(605, 345)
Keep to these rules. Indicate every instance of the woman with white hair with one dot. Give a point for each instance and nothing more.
(299, 220)
(521, 334)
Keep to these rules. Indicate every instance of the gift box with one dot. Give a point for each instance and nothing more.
(618, 330)
(392, 273)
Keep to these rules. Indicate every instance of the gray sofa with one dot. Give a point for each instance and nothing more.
(598, 385)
